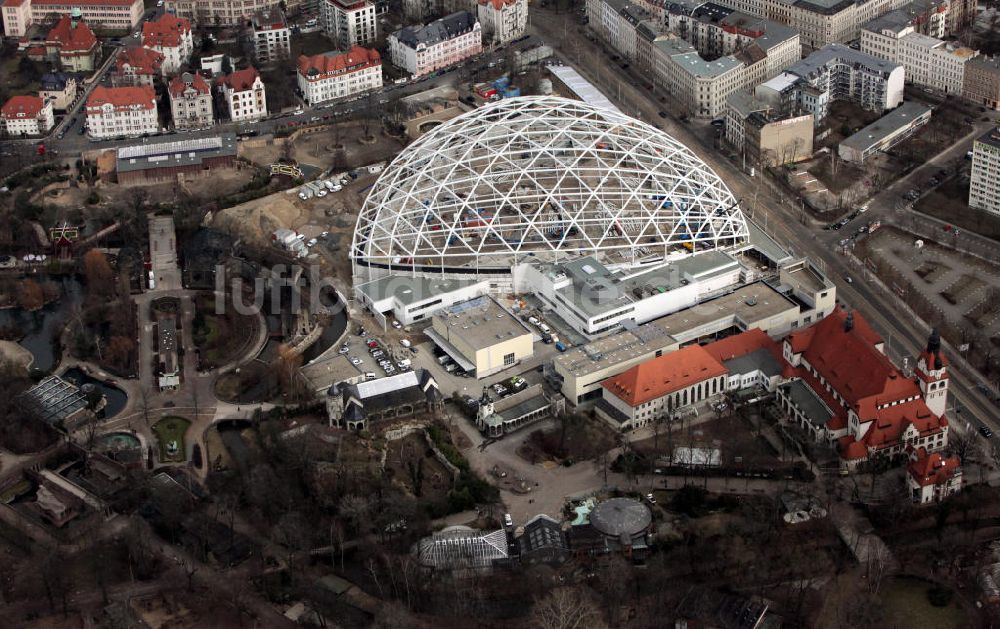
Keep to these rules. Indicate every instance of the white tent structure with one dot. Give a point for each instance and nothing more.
(540, 178)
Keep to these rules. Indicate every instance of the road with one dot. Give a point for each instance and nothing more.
(906, 335)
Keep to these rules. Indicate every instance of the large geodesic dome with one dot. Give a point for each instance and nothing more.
(546, 178)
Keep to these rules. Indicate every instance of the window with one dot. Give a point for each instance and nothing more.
(508, 359)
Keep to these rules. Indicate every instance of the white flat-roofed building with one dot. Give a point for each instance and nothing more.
(110, 15)
(218, 12)
(336, 75)
(349, 23)
(122, 112)
(884, 133)
(270, 35)
(481, 336)
(984, 186)
(596, 300)
(423, 49)
(412, 299)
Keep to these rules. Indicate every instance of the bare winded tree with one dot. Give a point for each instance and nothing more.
(566, 608)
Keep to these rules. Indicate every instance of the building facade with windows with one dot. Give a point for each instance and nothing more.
(885, 133)
(981, 82)
(764, 135)
(190, 101)
(833, 73)
(218, 12)
(928, 61)
(26, 115)
(334, 75)
(270, 36)
(72, 44)
(932, 477)
(112, 15)
(348, 23)
(480, 335)
(423, 49)
(503, 20)
(60, 88)
(984, 183)
(244, 95)
(122, 112)
(171, 37)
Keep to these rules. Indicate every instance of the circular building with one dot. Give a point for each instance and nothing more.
(624, 518)
(540, 178)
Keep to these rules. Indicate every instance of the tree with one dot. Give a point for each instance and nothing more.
(227, 65)
(566, 608)
(30, 295)
(119, 353)
(98, 273)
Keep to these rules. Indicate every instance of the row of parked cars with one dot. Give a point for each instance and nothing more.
(546, 332)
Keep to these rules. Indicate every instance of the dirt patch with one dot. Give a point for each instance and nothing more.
(950, 202)
(578, 437)
(930, 271)
(410, 463)
(962, 289)
(256, 220)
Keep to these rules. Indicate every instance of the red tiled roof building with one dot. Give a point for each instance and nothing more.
(73, 43)
(137, 66)
(932, 477)
(122, 112)
(842, 388)
(337, 75)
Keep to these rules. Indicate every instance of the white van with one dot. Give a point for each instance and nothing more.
(370, 375)
(544, 328)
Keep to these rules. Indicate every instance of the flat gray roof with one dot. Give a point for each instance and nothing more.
(807, 400)
(481, 322)
(614, 349)
(991, 137)
(753, 302)
(766, 245)
(410, 290)
(174, 153)
(761, 360)
(887, 126)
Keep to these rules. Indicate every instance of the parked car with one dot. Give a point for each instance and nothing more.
(651, 499)
(396, 324)
(499, 389)
(372, 344)
(355, 361)
(507, 520)
(985, 431)
(343, 349)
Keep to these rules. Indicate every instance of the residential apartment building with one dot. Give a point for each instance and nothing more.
(121, 112)
(190, 101)
(503, 20)
(137, 66)
(981, 83)
(59, 88)
(218, 12)
(26, 115)
(335, 75)
(824, 22)
(928, 61)
(112, 15)
(349, 23)
(171, 37)
(439, 44)
(764, 135)
(270, 36)
(244, 95)
(744, 50)
(835, 72)
(984, 185)
(72, 44)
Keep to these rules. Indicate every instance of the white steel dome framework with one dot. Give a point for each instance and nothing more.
(546, 178)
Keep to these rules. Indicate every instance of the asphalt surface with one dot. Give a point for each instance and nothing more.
(905, 334)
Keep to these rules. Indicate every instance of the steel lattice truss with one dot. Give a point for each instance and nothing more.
(546, 177)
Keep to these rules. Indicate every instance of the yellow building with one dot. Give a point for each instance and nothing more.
(481, 336)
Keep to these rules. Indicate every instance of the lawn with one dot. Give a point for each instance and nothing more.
(906, 605)
(171, 430)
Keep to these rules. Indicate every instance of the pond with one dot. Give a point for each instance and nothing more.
(114, 397)
(41, 326)
(331, 333)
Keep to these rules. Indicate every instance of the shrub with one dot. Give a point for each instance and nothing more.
(93, 198)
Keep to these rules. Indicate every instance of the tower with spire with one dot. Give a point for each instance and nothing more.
(932, 375)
